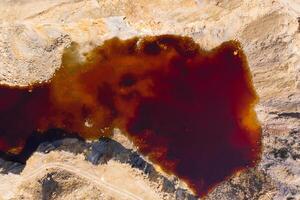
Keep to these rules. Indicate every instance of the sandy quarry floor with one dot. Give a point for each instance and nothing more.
(33, 34)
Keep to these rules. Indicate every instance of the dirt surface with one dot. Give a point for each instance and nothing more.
(105, 169)
(33, 35)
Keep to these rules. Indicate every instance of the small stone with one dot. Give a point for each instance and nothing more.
(49, 186)
(168, 186)
(46, 147)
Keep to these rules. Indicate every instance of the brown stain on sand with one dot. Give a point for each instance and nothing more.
(189, 110)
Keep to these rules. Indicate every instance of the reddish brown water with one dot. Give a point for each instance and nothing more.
(191, 111)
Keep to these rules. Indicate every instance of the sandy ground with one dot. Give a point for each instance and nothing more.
(108, 179)
(33, 35)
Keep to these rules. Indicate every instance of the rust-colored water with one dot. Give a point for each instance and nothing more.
(191, 111)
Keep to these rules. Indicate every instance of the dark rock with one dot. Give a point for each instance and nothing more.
(190, 197)
(16, 168)
(137, 161)
(180, 194)
(290, 198)
(98, 152)
(290, 114)
(46, 147)
(101, 152)
(11, 167)
(282, 153)
(149, 169)
(168, 186)
(49, 186)
(2, 162)
(73, 145)
(106, 149)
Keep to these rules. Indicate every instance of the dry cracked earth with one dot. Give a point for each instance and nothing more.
(33, 34)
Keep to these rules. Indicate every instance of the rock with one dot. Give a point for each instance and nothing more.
(73, 145)
(168, 186)
(282, 153)
(137, 161)
(15, 168)
(181, 194)
(46, 147)
(106, 149)
(10, 167)
(100, 153)
(49, 186)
